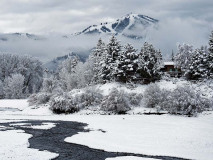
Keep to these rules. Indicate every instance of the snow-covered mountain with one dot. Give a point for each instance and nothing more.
(20, 36)
(134, 26)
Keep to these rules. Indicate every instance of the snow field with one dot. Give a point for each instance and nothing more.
(14, 145)
(20, 104)
(147, 134)
(152, 135)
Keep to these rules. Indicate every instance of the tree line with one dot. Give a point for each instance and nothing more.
(21, 76)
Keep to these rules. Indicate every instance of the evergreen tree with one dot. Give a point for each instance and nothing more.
(211, 42)
(198, 68)
(96, 59)
(127, 64)
(149, 62)
(210, 56)
(110, 64)
(1, 89)
(173, 57)
(183, 57)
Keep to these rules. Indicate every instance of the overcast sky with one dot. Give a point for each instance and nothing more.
(180, 21)
(69, 16)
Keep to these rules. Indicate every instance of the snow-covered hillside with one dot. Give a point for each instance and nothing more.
(134, 26)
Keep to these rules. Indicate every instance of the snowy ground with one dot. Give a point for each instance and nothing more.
(165, 135)
(14, 146)
(153, 135)
(146, 134)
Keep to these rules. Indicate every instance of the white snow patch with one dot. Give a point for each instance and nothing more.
(39, 110)
(14, 145)
(19, 124)
(2, 127)
(107, 88)
(10, 120)
(45, 126)
(168, 63)
(15, 103)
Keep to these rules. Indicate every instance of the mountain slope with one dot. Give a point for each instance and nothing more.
(132, 26)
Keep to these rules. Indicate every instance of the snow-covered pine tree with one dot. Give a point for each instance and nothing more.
(149, 62)
(198, 68)
(1, 90)
(96, 59)
(210, 56)
(110, 64)
(211, 42)
(173, 57)
(127, 64)
(183, 57)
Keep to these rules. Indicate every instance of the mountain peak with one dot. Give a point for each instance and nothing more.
(128, 26)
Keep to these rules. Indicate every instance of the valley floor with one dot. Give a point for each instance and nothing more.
(161, 135)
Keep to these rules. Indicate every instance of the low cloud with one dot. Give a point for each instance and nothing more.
(170, 32)
(180, 21)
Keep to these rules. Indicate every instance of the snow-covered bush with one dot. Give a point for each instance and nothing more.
(14, 86)
(152, 95)
(63, 104)
(39, 98)
(69, 103)
(134, 99)
(185, 100)
(90, 97)
(116, 102)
